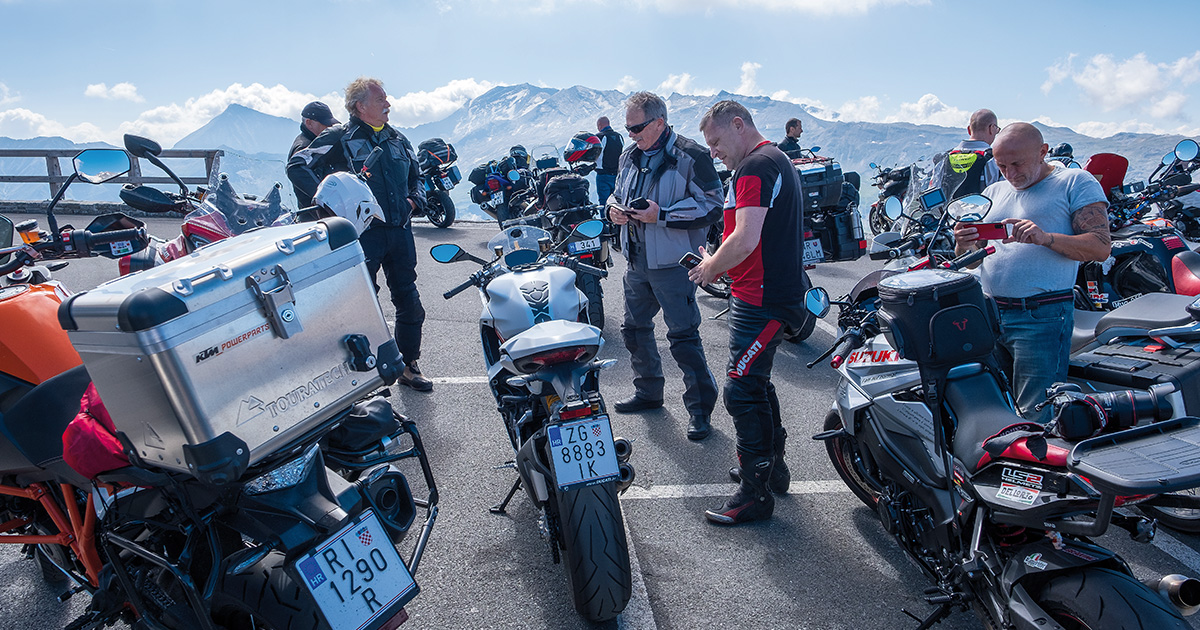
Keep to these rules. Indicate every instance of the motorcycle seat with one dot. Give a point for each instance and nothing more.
(1150, 311)
(1131, 230)
(35, 424)
(1185, 270)
(982, 412)
(1084, 331)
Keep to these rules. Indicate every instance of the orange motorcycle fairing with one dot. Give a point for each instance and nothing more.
(34, 347)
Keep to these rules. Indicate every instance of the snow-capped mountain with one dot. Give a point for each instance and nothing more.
(542, 119)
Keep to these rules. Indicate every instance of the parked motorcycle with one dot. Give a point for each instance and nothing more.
(998, 512)
(891, 182)
(1148, 254)
(231, 508)
(540, 357)
(437, 158)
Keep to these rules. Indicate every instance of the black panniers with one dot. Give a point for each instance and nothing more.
(566, 191)
(937, 316)
(435, 152)
(820, 181)
(841, 234)
(479, 174)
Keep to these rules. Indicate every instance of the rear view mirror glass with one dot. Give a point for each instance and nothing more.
(97, 166)
(970, 208)
(590, 229)
(6, 237)
(816, 301)
(1187, 150)
(446, 252)
(892, 208)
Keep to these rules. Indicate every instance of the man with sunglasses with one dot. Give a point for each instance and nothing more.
(667, 195)
(969, 168)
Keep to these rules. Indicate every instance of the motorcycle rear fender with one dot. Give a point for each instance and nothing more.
(533, 468)
(1036, 562)
(1025, 613)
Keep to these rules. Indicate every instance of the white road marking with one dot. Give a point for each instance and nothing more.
(1178, 550)
(709, 490)
(459, 380)
(637, 614)
(828, 328)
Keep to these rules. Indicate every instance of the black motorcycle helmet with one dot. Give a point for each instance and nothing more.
(519, 155)
(1062, 150)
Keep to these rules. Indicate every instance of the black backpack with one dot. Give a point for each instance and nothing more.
(566, 191)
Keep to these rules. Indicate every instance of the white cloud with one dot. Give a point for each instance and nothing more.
(1134, 84)
(119, 92)
(1058, 73)
(23, 123)
(628, 84)
(1187, 69)
(415, 108)
(682, 84)
(749, 84)
(1170, 105)
(865, 108)
(930, 110)
(7, 96)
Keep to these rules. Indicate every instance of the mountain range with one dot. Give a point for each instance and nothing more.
(542, 119)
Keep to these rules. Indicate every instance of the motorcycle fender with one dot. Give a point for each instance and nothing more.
(533, 470)
(1042, 558)
(1025, 614)
(318, 504)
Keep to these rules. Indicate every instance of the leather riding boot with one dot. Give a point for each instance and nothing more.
(752, 501)
(781, 477)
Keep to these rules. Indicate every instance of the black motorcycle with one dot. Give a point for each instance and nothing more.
(440, 174)
(891, 182)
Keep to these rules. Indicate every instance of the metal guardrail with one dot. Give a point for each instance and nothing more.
(54, 176)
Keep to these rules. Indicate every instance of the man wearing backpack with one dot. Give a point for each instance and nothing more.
(969, 168)
(611, 145)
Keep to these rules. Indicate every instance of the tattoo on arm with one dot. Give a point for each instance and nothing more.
(1092, 219)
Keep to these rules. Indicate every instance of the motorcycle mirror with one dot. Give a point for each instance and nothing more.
(816, 301)
(969, 208)
(874, 165)
(141, 147)
(1168, 159)
(97, 166)
(514, 176)
(590, 228)
(892, 208)
(814, 150)
(1187, 150)
(6, 237)
(446, 253)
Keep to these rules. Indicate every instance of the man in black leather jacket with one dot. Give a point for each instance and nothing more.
(314, 119)
(396, 183)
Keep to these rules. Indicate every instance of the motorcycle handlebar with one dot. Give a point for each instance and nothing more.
(970, 258)
(459, 289)
(580, 267)
(1186, 190)
(853, 340)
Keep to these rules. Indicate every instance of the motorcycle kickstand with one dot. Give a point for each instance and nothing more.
(718, 315)
(500, 507)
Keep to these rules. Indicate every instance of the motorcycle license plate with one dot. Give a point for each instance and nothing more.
(356, 576)
(583, 452)
(590, 245)
(446, 183)
(813, 253)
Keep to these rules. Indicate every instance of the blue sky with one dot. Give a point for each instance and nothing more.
(91, 70)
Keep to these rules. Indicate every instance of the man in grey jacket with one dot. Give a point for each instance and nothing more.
(683, 197)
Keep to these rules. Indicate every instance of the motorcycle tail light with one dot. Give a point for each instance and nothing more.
(535, 362)
(285, 476)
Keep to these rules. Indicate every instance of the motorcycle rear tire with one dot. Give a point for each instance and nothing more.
(440, 210)
(1179, 519)
(595, 550)
(877, 221)
(1095, 599)
(590, 286)
(843, 456)
(265, 597)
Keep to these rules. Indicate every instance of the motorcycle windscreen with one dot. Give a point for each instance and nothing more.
(519, 244)
(1109, 169)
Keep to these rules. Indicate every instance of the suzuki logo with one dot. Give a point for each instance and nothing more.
(961, 325)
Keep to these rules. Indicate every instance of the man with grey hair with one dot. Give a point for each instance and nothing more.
(396, 183)
(969, 168)
(667, 195)
(762, 253)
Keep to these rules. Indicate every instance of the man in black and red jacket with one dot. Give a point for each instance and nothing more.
(762, 253)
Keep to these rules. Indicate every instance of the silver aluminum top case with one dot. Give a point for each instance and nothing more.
(213, 361)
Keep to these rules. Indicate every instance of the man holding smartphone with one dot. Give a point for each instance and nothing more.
(667, 195)
(1058, 217)
(763, 254)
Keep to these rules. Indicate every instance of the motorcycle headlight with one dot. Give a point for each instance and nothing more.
(285, 476)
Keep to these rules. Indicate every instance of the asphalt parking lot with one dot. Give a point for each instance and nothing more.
(822, 562)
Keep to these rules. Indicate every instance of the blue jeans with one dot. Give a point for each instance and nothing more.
(1034, 347)
(606, 183)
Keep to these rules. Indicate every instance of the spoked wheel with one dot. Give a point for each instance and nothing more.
(1180, 519)
(1099, 599)
(849, 464)
(441, 209)
(720, 286)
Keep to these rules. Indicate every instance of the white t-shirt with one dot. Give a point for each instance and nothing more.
(1024, 269)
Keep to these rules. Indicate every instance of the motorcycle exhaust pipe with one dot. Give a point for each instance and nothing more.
(627, 475)
(1182, 591)
(623, 449)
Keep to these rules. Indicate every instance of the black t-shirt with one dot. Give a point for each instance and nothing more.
(774, 272)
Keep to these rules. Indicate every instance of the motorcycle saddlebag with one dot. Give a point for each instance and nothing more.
(1137, 363)
(820, 181)
(479, 174)
(841, 234)
(211, 362)
(435, 152)
(937, 316)
(566, 191)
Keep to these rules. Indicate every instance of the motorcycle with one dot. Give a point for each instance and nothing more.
(437, 158)
(235, 532)
(999, 513)
(891, 182)
(540, 356)
(1148, 255)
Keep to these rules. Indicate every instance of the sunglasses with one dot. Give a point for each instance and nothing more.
(639, 127)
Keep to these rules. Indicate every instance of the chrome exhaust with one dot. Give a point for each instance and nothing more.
(623, 449)
(1182, 591)
(627, 475)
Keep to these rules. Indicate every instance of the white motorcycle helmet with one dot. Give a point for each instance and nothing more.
(349, 197)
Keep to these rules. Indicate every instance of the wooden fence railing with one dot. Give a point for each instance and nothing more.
(54, 175)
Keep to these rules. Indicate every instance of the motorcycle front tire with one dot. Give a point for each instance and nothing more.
(1096, 599)
(265, 597)
(595, 550)
(590, 286)
(806, 329)
(440, 210)
(846, 461)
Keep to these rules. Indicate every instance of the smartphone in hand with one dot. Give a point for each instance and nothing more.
(690, 260)
(992, 231)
